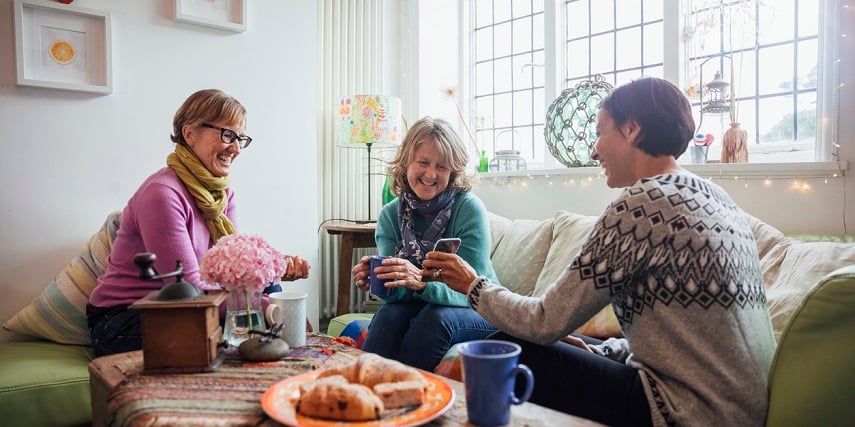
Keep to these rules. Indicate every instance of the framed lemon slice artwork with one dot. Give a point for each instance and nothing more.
(62, 52)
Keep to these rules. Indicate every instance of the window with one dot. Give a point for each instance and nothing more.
(767, 51)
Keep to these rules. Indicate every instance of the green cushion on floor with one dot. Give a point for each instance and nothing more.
(338, 323)
(44, 383)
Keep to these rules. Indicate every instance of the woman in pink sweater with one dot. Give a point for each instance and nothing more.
(177, 213)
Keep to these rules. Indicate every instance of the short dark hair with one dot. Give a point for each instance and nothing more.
(661, 110)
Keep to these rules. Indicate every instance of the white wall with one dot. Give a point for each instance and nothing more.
(71, 158)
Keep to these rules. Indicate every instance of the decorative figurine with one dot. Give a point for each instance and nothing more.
(266, 347)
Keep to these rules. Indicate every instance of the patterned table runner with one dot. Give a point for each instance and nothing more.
(231, 396)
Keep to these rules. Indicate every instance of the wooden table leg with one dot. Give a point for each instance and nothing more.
(344, 260)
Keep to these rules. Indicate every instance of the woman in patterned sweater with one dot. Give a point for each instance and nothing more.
(676, 260)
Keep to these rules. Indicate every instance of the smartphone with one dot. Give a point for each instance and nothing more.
(449, 245)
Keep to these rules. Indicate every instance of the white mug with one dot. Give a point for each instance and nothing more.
(289, 309)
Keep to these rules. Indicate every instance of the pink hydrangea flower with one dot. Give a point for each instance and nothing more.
(242, 261)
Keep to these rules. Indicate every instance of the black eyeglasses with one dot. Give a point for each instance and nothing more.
(229, 136)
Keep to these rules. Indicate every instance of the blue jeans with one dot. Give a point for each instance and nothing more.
(115, 330)
(418, 333)
(578, 382)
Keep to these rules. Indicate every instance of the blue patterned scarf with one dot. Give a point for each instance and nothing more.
(414, 245)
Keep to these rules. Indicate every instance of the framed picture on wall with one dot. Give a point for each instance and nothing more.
(61, 46)
(223, 14)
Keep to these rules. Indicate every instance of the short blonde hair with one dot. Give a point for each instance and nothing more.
(207, 105)
(450, 147)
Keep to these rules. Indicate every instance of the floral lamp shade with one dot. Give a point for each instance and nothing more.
(369, 119)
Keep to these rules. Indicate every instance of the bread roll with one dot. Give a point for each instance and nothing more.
(360, 390)
(333, 398)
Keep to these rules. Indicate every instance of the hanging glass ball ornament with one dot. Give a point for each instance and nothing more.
(571, 122)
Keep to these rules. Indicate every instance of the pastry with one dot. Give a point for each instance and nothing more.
(361, 390)
(400, 394)
(335, 398)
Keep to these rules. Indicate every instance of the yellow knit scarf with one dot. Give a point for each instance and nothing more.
(208, 190)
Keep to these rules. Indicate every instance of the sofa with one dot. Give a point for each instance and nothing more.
(810, 289)
(45, 380)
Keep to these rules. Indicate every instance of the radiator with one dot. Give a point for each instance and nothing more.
(350, 63)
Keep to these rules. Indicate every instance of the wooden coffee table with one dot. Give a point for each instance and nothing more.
(120, 393)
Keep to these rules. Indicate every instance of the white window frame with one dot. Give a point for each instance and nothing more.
(826, 159)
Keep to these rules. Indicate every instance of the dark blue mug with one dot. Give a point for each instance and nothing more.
(490, 371)
(377, 285)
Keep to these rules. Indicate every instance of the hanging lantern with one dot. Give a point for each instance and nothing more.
(719, 102)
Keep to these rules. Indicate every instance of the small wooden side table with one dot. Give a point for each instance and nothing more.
(353, 235)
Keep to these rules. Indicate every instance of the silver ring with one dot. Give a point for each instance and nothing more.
(437, 274)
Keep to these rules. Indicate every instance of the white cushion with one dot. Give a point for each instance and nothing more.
(521, 252)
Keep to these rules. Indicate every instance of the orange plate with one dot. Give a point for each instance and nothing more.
(278, 403)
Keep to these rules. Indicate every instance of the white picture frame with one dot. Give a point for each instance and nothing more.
(222, 14)
(61, 46)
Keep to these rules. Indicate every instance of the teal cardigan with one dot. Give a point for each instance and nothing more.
(468, 221)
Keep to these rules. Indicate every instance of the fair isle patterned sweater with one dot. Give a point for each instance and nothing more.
(675, 258)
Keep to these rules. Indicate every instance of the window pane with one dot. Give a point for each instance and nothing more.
(484, 112)
(522, 107)
(747, 116)
(807, 57)
(522, 35)
(539, 107)
(538, 71)
(503, 108)
(628, 13)
(653, 10)
(502, 43)
(777, 22)
(483, 78)
(806, 113)
(776, 69)
(577, 58)
(653, 41)
(483, 13)
(484, 44)
(521, 8)
(538, 34)
(776, 119)
(577, 19)
(537, 6)
(501, 10)
(503, 72)
(630, 48)
(744, 72)
(523, 71)
(602, 16)
(808, 18)
(602, 53)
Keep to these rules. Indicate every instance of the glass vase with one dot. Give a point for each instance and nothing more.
(244, 313)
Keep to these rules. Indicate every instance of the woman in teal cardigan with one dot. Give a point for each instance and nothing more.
(422, 319)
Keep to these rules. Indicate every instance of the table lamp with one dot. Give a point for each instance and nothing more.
(370, 121)
(181, 330)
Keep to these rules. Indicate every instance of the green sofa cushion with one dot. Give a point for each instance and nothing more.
(44, 384)
(812, 376)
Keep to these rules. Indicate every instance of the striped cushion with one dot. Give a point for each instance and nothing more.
(59, 313)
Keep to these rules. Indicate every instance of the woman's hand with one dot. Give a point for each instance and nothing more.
(359, 272)
(295, 268)
(400, 273)
(449, 269)
(576, 342)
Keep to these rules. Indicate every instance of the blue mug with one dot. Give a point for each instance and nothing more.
(490, 371)
(377, 285)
